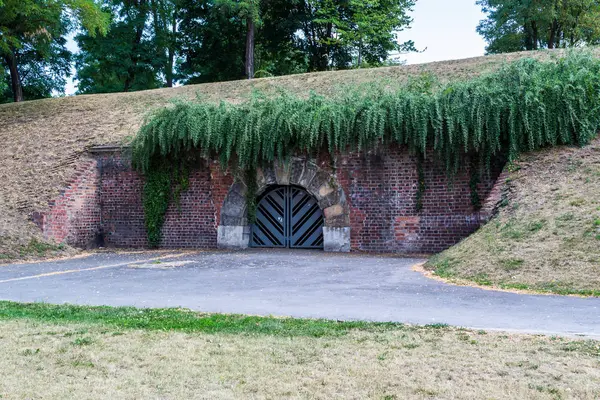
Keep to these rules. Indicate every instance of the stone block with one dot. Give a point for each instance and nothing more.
(233, 209)
(265, 177)
(282, 173)
(336, 240)
(233, 237)
(333, 211)
(308, 174)
(337, 216)
(296, 170)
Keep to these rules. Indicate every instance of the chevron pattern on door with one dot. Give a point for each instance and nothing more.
(288, 217)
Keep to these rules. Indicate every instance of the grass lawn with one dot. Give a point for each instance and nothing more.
(546, 237)
(58, 352)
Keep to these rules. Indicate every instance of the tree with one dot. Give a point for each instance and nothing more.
(373, 26)
(230, 39)
(248, 11)
(165, 21)
(279, 49)
(212, 42)
(515, 25)
(32, 39)
(131, 57)
(140, 53)
(40, 74)
(336, 32)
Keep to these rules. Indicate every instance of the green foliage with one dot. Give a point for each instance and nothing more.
(3, 82)
(515, 25)
(212, 42)
(165, 182)
(291, 36)
(157, 195)
(251, 189)
(372, 27)
(181, 179)
(524, 106)
(39, 249)
(137, 54)
(33, 36)
(343, 34)
(157, 319)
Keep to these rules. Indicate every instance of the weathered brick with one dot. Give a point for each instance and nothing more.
(104, 198)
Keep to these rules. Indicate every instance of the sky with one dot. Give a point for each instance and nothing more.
(445, 29)
(442, 29)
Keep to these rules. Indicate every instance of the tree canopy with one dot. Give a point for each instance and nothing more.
(32, 42)
(515, 25)
(137, 53)
(156, 43)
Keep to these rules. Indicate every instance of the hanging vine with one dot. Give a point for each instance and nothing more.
(156, 198)
(251, 189)
(164, 183)
(523, 106)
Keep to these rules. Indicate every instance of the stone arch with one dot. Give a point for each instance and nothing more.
(234, 229)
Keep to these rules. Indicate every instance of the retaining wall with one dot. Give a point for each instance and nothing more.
(369, 202)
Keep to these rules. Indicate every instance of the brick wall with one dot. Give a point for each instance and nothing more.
(121, 197)
(220, 182)
(105, 196)
(74, 216)
(192, 223)
(381, 189)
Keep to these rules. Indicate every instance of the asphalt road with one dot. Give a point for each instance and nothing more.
(292, 283)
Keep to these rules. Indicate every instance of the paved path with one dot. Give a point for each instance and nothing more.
(293, 283)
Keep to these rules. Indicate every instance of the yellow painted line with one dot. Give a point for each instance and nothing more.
(71, 271)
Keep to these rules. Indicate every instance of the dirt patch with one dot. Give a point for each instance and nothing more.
(89, 362)
(546, 236)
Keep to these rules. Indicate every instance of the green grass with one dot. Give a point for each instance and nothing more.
(552, 288)
(444, 269)
(38, 248)
(185, 320)
(512, 264)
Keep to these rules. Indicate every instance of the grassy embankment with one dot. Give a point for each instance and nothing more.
(546, 237)
(44, 139)
(101, 352)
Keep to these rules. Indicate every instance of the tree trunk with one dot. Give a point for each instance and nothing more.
(250, 49)
(553, 38)
(328, 53)
(169, 69)
(171, 53)
(535, 36)
(139, 31)
(360, 54)
(15, 79)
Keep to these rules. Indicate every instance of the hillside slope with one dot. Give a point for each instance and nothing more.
(43, 139)
(546, 236)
